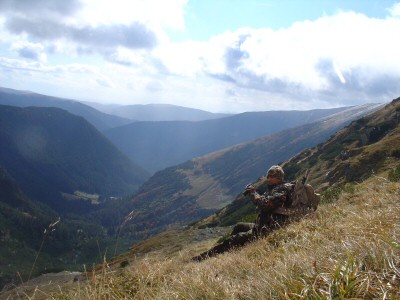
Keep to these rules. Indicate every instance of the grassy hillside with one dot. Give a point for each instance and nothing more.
(349, 248)
(367, 146)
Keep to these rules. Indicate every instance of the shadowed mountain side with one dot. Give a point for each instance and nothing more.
(158, 145)
(369, 145)
(25, 228)
(49, 151)
(24, 99)
(181, 194)
(156, 112)
(21, 222)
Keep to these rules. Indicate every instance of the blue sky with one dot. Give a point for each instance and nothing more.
(206, 18)
(220, 56)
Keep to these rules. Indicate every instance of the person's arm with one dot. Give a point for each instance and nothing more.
(277, 199)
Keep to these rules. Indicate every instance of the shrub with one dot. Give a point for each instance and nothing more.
(394, 174)
(396, 153)
(332, 151)
(291, 171)
(350, 188)
(249, 218)
(331, 194)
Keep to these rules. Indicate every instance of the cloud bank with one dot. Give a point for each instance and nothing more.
(341, 59)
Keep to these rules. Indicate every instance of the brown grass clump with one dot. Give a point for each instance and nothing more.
(349, 249)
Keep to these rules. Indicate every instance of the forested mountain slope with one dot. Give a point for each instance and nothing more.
(34, 239)
(52, 154)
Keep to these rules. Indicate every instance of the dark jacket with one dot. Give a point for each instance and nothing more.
(269, 203)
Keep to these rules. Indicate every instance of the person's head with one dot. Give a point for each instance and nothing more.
(275, 175)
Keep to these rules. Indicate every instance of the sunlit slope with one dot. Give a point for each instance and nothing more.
(367, 146)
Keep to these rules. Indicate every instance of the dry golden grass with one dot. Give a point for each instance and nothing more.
(349, 249)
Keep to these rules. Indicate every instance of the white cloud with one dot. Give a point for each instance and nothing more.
(346, 56)
(181, 58)
(334, 60)
(395, 10)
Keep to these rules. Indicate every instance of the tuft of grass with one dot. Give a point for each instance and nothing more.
(394, 174)
(47, 231)
(333, 193)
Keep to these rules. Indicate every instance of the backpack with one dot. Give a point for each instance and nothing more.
(302, 198)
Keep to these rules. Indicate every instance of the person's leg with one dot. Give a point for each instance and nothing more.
(242, 227)
(273, 222)
(278, 221)
(237, 240)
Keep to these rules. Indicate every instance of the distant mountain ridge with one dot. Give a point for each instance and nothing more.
(49, 151)
(156, 112)
(158, 145)
(25, 99)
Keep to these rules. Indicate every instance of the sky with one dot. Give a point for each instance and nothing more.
(225, 56)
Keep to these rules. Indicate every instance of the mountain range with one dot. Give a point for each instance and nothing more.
(105, 116)
(158, 145)
(156, 112)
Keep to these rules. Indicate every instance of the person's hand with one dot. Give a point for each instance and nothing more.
(249, 189)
